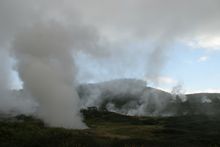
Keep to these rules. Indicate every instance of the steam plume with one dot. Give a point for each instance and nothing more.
(43, 48)
(44, 35)
(46, 67)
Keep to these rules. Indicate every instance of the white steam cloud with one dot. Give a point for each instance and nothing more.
(44, 36)
(46, 67)
(43, 47)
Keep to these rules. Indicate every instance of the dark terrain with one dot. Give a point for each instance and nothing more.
(167, 120)
(111, 129)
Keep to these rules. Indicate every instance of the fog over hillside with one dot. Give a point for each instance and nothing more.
(134, 97)
(129, 97)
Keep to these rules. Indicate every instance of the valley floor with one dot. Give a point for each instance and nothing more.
(108, 129)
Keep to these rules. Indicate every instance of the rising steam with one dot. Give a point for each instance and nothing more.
(45, 37)
(46, 67)
(43, 49)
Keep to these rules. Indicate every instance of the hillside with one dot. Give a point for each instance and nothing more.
(133, 97)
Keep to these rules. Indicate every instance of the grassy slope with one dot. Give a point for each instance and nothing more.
(111, 129)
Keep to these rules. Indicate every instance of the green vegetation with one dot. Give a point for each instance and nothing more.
(110, 129)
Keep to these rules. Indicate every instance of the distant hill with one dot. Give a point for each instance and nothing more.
(133, 97)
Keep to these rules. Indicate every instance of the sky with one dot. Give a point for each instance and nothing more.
(195, 68)
(166, 43)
